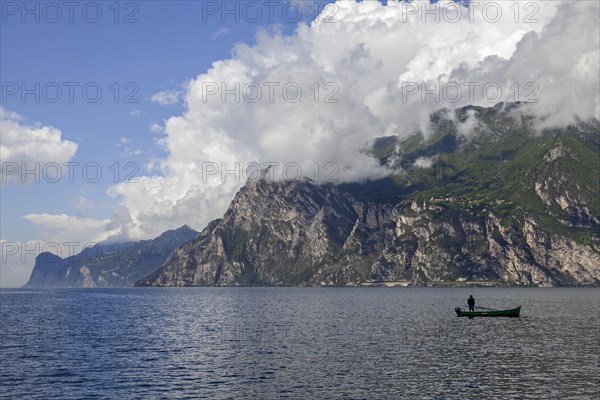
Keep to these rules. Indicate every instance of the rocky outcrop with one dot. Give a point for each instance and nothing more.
(108, 265)
(301, 233)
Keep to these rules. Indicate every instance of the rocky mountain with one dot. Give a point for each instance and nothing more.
(108, 265)
(498, 202)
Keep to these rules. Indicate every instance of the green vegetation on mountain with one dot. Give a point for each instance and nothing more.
(496, 168)
(483, 195)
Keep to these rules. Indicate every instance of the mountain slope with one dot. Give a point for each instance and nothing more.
(108, 265)
(500, 202)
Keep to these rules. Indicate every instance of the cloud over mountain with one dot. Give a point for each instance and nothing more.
(317, 96)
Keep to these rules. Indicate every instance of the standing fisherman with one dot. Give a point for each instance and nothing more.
(471, 303)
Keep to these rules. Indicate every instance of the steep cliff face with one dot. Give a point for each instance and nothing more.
(273, 233)
(108, 265)
(49, 271)
(503, 203)
(299, 233)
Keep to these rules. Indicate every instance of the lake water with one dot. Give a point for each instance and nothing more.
(307, 343)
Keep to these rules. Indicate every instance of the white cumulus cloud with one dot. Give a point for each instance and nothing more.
(65, 228)
(311, 100)
(23, 147)
(166, 98)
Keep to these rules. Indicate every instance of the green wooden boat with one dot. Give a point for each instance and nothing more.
(488, 313)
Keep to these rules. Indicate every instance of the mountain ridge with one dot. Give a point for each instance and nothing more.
(527, 216)
(108, 265)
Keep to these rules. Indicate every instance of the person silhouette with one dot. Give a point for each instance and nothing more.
(471, 303)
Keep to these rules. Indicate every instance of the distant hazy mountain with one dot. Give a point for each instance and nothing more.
(108, 265)
(498, 202)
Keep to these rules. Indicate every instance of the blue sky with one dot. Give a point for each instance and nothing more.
(156, 46)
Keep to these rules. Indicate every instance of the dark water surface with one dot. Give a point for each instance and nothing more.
(298, 343)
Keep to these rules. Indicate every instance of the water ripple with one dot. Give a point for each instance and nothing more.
(297, 343)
